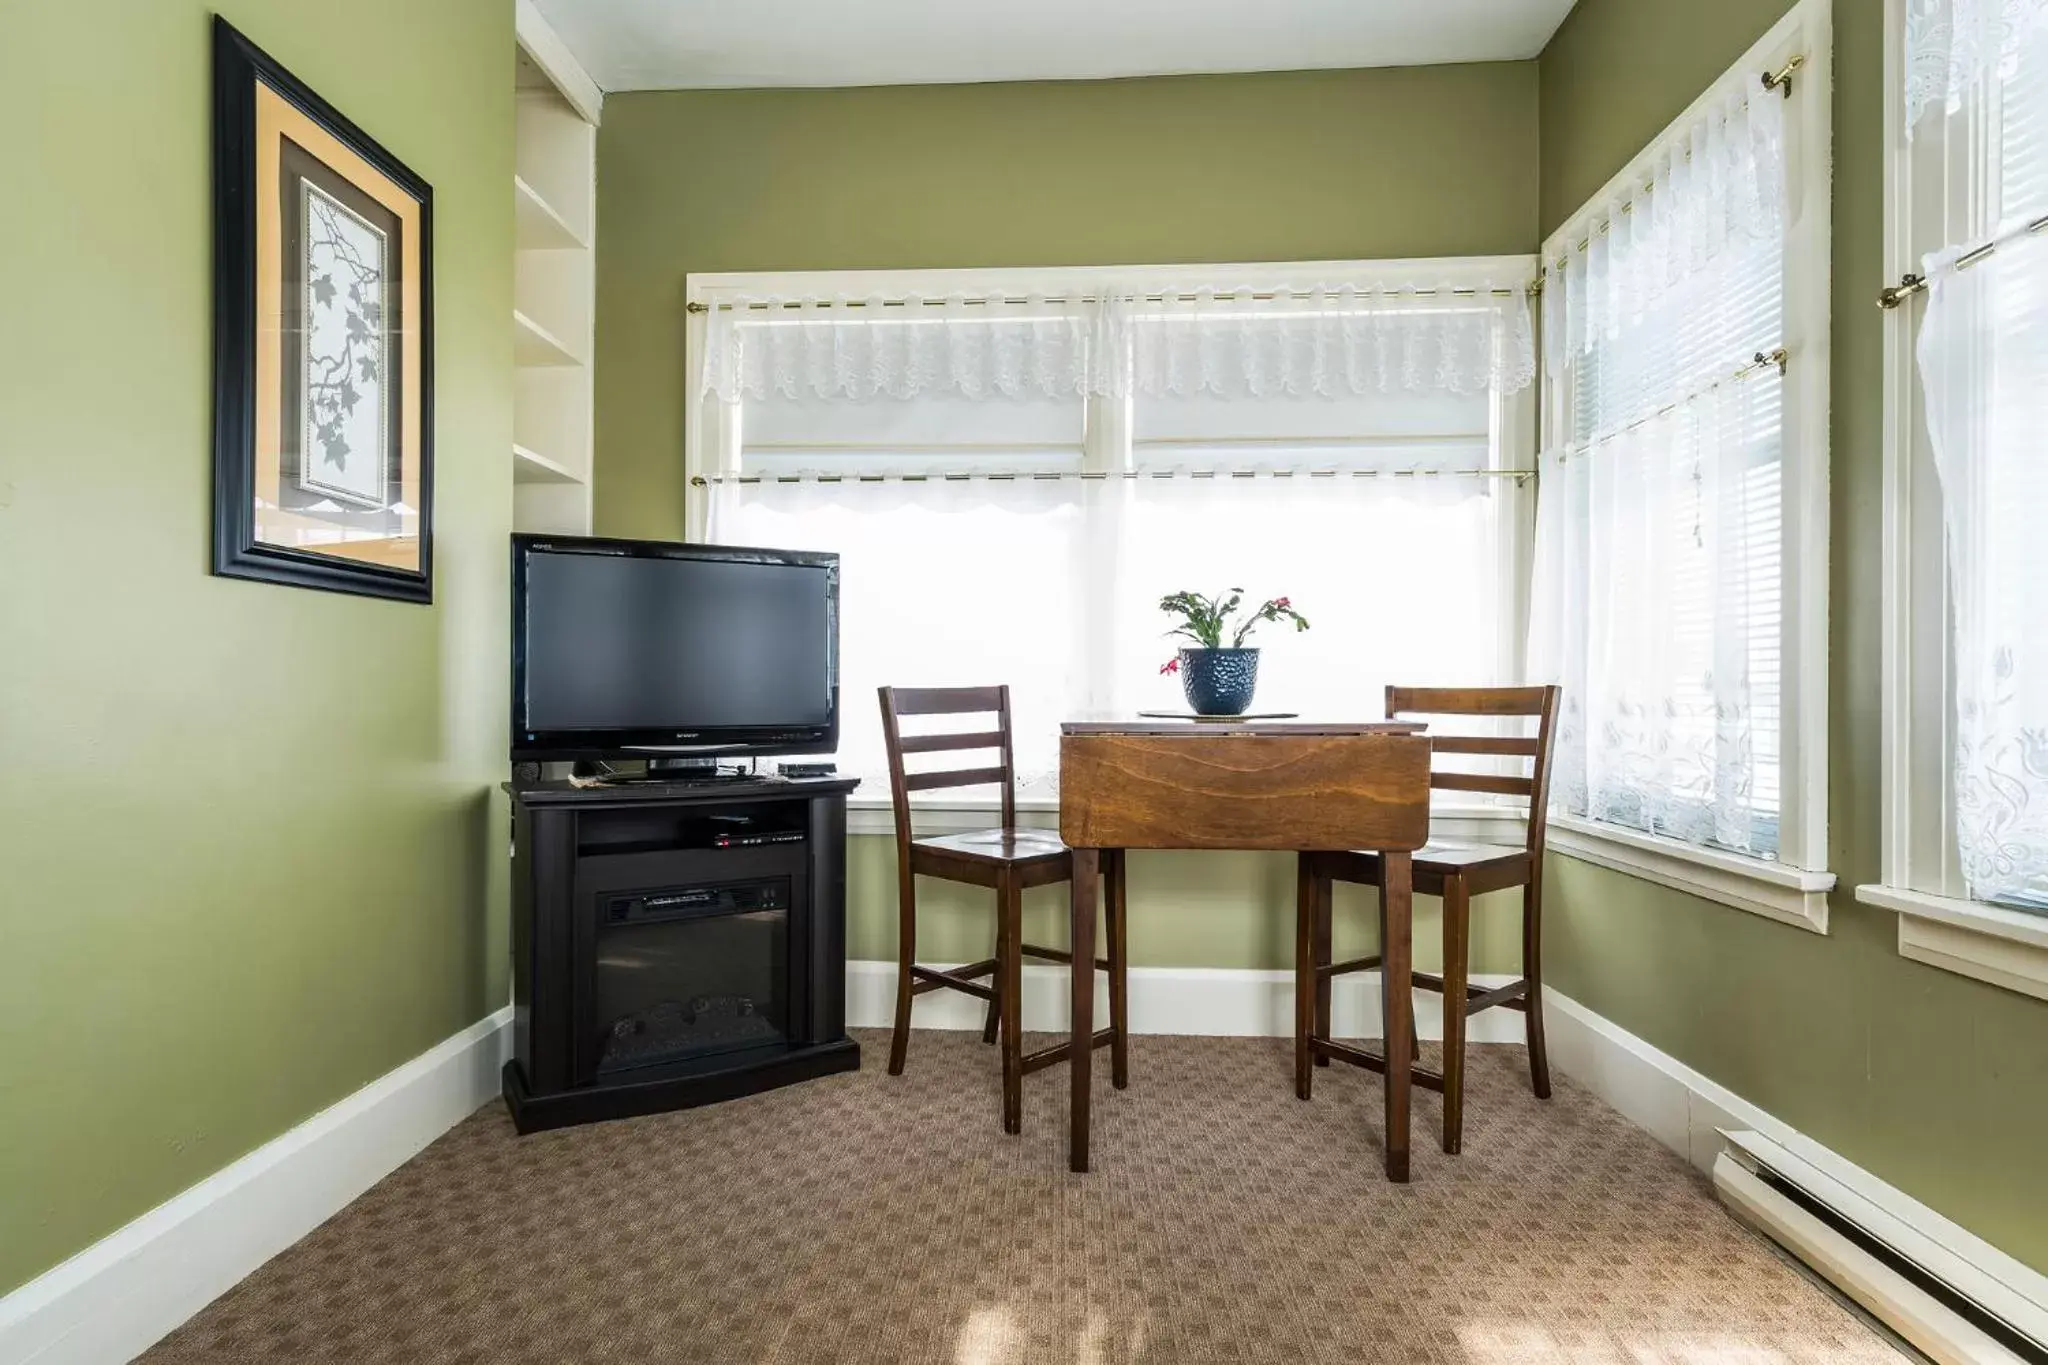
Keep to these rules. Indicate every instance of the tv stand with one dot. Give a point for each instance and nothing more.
(674, 943)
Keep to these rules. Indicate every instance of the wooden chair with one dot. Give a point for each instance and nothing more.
(1456, 873)
(1006, 859)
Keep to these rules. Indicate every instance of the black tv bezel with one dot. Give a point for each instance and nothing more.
(546, 746)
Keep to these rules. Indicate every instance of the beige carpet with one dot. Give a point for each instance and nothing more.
(869, 1219)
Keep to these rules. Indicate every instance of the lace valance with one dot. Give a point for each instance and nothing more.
(1719, 189)
(1956, 46)
(1325, 341)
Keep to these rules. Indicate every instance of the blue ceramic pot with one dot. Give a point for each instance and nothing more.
(1219, 682)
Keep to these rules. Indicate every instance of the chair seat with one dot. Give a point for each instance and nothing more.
(1483, 867)
(1467, 857)
(1028, 846)
(1459, 857)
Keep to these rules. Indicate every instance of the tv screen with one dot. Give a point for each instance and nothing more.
(643, 646)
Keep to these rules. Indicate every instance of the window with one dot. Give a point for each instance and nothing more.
(1016, 467)
(1966, 668)
(1681, 593)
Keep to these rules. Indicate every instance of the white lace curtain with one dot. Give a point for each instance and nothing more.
(1983, 360)
(1656, 600)
(1959, 48)
(1329, 341)
(1054, 587)
(1717, 191)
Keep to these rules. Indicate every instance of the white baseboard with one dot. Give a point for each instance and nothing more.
(125, 1292)
(1689, 1113)
(1228, 1002)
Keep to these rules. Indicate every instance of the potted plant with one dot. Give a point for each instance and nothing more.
(1219, 679)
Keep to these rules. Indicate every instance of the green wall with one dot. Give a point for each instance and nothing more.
(247, 862)
(1934, 1082)
(1284, 167)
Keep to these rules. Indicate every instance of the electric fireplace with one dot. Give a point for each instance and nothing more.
(674, 943)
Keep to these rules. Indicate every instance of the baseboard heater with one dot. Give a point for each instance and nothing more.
(1952, 1297)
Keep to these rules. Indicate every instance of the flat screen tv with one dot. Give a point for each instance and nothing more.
(651, 649)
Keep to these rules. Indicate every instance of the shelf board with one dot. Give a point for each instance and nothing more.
(530, 466)
(537, 226)
(533, 344)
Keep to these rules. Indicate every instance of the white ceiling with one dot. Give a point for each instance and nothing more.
(711, 44)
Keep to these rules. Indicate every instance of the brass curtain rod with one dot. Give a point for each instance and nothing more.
(1092, 475)
(1231, 442)
(1262, 296)
(1909, 285)
(1779, 80)
(1761, 360)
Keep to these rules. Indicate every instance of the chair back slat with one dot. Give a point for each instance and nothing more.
(898, 702)
(955, 777)
(933, 744)
(1486, 744)
(1540, 702)
(949, 701)
(1468, 701)
(1482, 782)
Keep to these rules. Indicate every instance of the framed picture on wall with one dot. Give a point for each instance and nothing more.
(323, 341)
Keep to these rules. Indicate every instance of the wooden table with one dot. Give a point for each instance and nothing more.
(1287, 786)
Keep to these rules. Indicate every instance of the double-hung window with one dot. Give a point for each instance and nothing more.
(1966, 641)
(1016, 466)
(1681, 582)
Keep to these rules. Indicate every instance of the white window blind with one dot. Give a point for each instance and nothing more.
(1665, 547)
(1978, 83)
(1341, 446)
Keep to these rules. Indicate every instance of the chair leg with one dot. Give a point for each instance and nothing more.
(1306, 875)
(1414, 1037)
(993, 1015)
(1010, 993)
(1532, 972)
(1323, 958)
(1457, 934)
(906, 954)
(1119, 972)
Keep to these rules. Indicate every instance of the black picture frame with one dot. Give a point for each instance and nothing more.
(239, 67)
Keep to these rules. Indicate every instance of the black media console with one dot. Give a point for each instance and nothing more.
(674, 944)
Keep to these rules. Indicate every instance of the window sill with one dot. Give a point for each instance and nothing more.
(1789, 895)
(867, 814)
(2004, 947)
(874, 815)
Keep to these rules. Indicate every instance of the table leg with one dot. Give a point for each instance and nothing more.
(1081, 1024)
(1304, 973)
(1397, 984)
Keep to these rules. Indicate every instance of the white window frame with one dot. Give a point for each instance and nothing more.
(711, 446)
(1794, 889)
(1920, 871)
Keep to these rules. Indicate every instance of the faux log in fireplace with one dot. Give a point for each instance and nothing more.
(674, 944)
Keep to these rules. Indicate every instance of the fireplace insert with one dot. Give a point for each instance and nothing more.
(688, 971)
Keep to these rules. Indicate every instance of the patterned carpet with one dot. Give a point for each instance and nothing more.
(868, 1219)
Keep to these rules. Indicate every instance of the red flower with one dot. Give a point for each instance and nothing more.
(1282, 602)
(1171, 665)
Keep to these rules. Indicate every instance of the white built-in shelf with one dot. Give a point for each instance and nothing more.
(530, 466)
(555, 109)
(537, 225)
(533, 344)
